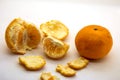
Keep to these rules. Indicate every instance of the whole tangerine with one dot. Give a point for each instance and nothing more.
(93, 41)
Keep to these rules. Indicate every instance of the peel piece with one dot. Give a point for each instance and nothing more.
(54, 48)
(32, 62)
(48, 76)
(65, 70)
(55, 29)
(78, 63)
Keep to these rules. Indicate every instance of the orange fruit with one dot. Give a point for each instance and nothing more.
(93, 41)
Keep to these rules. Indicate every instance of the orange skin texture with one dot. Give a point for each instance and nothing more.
(93, 42)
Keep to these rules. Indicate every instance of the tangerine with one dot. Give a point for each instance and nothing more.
(93, 41)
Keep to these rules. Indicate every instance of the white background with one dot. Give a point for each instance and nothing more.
(75, 14)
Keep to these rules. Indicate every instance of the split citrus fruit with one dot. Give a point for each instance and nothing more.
(54, 48)
(21, 36)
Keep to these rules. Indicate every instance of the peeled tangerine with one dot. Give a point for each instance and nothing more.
(21, 36)
(54, 48)
(32, 62)
(55, 29)
(93, 42)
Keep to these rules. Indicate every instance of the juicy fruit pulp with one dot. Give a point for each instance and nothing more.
(54, 48)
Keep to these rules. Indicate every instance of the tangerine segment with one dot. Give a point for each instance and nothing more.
(54, 48)
(32, 62)
(13, 35)
(33, 35)
(55, 29)
(65, 70)
(21, 35)
(78, 63)
(93, 42)
(48, 76)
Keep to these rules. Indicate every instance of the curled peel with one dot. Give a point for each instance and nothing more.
(78, 63)
(32, 62)
(65, 70)
(48, 76)
(55, 29)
